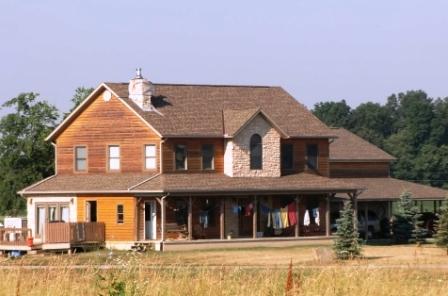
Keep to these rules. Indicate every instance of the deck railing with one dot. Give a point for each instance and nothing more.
(78, 232)
(14, 236)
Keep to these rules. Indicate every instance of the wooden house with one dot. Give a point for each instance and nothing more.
(172, 164)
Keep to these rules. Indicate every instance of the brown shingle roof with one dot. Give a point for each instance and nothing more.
(219, 183)
(235, 119)
(88, 183)
(186, 183)
(197, 110)
(390, 188)
(348, 146)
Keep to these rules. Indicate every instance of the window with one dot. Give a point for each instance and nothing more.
(256, 152)
(91, 211)
(181, 157)
(287, 156)
(150, 157)
(80, 159)
(312, 153)
(208, 157)
(114, 158)
(120, 214)
(50, 212)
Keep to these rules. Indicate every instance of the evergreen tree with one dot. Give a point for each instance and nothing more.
(346, 244)
(442, 227)
(406, 220)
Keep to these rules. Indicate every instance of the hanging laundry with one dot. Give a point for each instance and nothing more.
(276, 219)
(248, 209)
(317, 216)
(264, 209)
(203, 218)
(269, 220)
(292, 215)
(284, 214)
(306, 218)
(236, 210)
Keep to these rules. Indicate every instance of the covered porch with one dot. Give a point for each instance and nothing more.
(215, 219)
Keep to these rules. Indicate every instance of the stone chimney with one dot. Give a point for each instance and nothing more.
(140, 91)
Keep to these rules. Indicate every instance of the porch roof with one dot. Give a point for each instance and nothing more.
(220, 183)
(199, 183)
(390, 188)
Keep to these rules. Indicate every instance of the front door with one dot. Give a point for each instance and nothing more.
(150, 220)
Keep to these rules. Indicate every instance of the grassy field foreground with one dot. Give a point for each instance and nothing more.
(96, 273)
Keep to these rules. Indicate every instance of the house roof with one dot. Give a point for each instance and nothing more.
(350, 147)
(186, 183)
(97, 183)
(390, 188)
(197, 110)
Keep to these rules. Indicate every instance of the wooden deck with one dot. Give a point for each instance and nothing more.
(57, 236)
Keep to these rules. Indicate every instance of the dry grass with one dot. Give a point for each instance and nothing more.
(231, 272)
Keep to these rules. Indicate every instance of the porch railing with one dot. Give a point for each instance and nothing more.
(14, 236)
(78, 232)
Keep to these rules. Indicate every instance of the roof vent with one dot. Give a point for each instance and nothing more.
(140, 91)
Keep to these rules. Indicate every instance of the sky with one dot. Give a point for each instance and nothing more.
(317, 50)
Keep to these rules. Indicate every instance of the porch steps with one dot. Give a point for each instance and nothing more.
(143, 246)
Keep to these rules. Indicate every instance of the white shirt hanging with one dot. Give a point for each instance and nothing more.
(306, 218)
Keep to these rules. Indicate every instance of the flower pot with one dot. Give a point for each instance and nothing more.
(29, 242)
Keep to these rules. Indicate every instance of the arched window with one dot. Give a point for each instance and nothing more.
(256, 152)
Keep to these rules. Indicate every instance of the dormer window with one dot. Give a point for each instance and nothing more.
(312, 154)
(180, 157)
(256, 152)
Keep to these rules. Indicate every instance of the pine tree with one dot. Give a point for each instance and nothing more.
(442, 227)
(419, 232)
(404, 221)
(346, 244)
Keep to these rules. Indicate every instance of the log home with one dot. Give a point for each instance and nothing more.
(172, 164)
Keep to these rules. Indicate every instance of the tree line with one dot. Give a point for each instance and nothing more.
(410, 126)
(25, 156)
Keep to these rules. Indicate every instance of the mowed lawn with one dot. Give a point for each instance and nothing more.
(384, 270)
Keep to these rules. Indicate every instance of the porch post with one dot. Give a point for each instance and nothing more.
(366, 220)
(296, 228)
(163, 218)
(190, 218)
(354, 198)
(254, 219)
(221, 219)
(327, 217)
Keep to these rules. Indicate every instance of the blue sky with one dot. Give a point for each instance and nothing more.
(317, 50)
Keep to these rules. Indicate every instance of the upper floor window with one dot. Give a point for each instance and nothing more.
(287, 156)
(208, 157)
(120, 214)
(80, 159)
(114, 158)
(150, 157)
(312, 154)
(256, 152)
(180, 155)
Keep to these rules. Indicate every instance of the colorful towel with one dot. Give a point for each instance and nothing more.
(292, 215)
(284, 214)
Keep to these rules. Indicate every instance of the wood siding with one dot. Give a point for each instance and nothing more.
(194, 155)
(299, 156)
(102, 124)
(359, 169)
(107, 213)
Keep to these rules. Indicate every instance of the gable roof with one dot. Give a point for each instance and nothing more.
(84, 104)
(197, 110)
(235, 120)
(350, 147)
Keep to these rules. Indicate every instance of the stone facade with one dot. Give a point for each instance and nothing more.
(237, 154)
